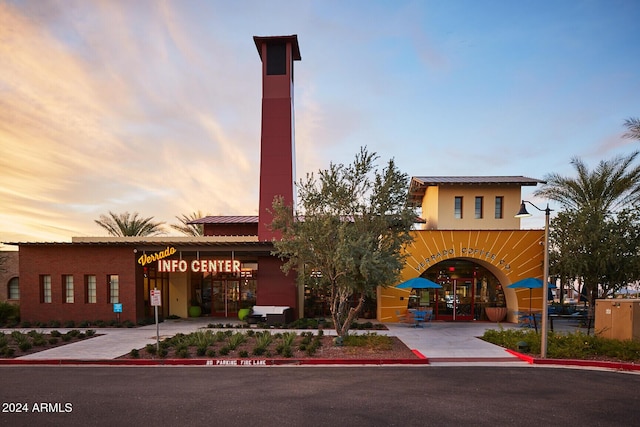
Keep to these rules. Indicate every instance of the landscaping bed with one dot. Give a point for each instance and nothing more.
(576, 346)
(17, 343)
(274, 345)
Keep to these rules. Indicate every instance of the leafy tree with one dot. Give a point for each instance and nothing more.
(633, 128)
(595, 203)
(189, 229)
(349, 229)
(126, 224)
(596, 250)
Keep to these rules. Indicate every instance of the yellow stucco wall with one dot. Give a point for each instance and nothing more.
(178, 295)
(438, 207)
(510, 255)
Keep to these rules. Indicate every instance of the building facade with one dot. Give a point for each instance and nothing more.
(471, 244)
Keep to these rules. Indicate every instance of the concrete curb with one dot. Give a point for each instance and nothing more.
(618, 366)
(214, 362)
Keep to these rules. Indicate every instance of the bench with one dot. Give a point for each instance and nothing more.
(270, 314)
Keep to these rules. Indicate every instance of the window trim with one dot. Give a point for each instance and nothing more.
(13, 286)
(46, 296)
(499, 210)
(113, 288)
(457, 210)
(68, 290)
(479, 213)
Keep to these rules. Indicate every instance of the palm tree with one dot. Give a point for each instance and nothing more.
(125, 224)
(591, 201)
(633, 128)
(190, 229)
(614, 184)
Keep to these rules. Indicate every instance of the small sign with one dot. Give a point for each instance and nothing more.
(117, 307)
(156, 300)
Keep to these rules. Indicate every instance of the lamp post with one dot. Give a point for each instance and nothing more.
(545, 279)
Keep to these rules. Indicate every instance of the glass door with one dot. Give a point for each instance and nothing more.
(225, 298)
(455, 300)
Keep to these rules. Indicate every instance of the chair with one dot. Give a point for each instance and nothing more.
(428, 314)
(402, 317)
(419, 317)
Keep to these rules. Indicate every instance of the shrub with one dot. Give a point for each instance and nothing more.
(201, 351)
(225, 350)
(69, 324)
(25, 345)
(235, 340)
(135, 353)
(243, 353)
(183, 353)
(54, 324)
(55, 333)
(211, 353)
(90, 332)
(53, 340)
(9, 312)
(150, 348)
(25, 324)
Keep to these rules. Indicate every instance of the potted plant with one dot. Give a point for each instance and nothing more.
(194, 309)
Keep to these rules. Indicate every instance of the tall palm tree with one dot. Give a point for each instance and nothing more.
(633, 128)
(125, 224)
(614, 184)
(190, 229)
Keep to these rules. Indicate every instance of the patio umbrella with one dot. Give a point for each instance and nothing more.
(418, 283)
(529, 283)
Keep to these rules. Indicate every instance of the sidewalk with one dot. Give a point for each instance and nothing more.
(442, 343)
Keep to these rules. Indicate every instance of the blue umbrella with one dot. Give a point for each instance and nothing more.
(529, 283)
(419, 283)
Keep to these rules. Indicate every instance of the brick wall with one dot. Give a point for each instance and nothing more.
(77, 260)
(8, 270)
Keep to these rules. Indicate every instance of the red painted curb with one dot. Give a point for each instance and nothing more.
(620, 366)
(214, 362)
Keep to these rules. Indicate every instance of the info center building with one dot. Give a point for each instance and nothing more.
(467, 240)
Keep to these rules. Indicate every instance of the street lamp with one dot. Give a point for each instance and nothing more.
(545, 279)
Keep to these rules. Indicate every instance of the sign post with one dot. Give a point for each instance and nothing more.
(117, 309)
(156, 301)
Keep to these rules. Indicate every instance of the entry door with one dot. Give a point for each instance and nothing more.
(226, 298)
(455, 300)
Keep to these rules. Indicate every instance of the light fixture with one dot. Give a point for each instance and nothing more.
(545, 279)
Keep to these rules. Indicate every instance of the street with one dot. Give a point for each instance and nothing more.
(316, 396)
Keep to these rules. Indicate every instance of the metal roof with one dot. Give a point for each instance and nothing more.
(419, 184)
(252, 219)
(444, 180)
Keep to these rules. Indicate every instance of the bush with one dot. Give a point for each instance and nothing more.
(25, 345)
(9, 312)
(135, 353)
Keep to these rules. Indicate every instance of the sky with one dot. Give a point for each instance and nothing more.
(154, 106)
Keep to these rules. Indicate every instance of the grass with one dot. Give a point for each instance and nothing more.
(567, 345)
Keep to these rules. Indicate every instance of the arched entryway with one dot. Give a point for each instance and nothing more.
(468, 289)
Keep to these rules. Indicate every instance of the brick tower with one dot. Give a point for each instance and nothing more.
(277, 159)
(277, 146)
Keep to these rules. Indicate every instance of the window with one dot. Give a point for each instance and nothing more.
(90, 289)
(457, 208)
(114, 288)
(479, 207)
(13, 290)
(67, 289)
(499, 204)
(45, 289)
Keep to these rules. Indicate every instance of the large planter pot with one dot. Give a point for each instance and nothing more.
(195, 311)
(243, 312)
(496, 314)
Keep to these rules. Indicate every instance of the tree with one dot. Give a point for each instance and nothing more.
(348, 230)
(125, 224)
(594, 205)
(600, 251)
(189, 229)
(633, 128)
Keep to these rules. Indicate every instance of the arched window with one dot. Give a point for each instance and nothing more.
(13, 291)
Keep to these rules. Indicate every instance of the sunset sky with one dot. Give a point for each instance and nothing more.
(154, 106)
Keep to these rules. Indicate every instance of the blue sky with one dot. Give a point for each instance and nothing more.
(154, 106)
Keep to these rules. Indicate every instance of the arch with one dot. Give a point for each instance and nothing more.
(510, 255)
(13, 289)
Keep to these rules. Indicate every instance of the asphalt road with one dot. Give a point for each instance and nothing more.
(316, 396)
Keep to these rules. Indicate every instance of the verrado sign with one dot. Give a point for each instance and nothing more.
(199, 266)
